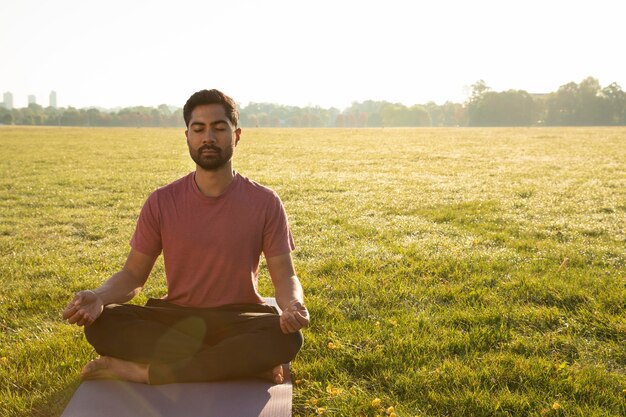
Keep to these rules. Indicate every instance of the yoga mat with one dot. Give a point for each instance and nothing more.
(238, 398)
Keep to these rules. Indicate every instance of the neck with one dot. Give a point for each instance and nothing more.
(214, 183)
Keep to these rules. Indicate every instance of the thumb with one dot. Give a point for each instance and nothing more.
(81, 297)
(78, 298)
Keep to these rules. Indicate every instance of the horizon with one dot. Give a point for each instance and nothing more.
(295, 54)
(243, 105)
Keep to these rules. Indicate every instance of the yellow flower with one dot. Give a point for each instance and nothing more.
(393, 415)
(312, 401)
(333, 390)
(394, 322)
(331, 345)
(556, 406)
(390, 410)
(375, 402)
(321, 410)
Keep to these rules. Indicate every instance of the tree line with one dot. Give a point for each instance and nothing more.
(584, 104)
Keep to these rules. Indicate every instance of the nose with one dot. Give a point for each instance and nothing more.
(209, 137)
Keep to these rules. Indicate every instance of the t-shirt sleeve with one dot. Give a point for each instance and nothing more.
(147, 236)
(277, 238)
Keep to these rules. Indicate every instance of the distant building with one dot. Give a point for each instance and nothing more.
(53, 99)
(32, 99)
(8, 101)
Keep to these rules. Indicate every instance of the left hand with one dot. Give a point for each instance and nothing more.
(294, 318)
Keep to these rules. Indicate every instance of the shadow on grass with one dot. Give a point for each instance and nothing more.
(54, 403)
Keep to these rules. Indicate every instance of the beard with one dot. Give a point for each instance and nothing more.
(211, 162)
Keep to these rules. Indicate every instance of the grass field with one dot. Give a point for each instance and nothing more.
(449, 272)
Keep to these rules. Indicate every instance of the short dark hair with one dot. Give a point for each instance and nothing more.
(211, 97)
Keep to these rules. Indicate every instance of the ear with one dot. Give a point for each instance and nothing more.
(237, 135)
(187, 134)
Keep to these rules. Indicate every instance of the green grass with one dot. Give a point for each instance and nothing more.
(449, 272)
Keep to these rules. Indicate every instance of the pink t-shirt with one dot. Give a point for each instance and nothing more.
(211, 245)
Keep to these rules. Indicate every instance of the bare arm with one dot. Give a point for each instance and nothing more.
(87, 305)
(289, 294)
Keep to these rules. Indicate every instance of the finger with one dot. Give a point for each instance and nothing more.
(73, 305)
(73, 318)
(283, 326)
(297, 306)
(291, 323)
(78, 317)
(69, 311)
(87, 320)
(302, 320)
(78, 298)
(287, 323)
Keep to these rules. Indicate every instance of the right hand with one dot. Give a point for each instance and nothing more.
(84, 309)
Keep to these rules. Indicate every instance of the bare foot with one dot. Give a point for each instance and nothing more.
(106, 367)
(276, 375)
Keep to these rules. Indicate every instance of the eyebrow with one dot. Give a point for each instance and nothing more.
(217, 122)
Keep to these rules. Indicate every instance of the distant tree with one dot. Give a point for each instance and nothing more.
(419, 116)
(507, 108)
(375, 119)
(478, 91)
(584, 104)
(435, 112)
(615, 100)
(52, 116)
(563, 105)
(176, 118)
(164, 110)
(155, 118)
(593, 109)
(263, 119)
(6, 118)
(71, 117)
(251, 120)
(454, 114)
(475, 103)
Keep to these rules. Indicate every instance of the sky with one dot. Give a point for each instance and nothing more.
(303, 53)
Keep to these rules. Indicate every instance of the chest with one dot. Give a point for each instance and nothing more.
(227, 226)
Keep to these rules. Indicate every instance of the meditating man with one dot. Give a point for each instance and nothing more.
(211, 226)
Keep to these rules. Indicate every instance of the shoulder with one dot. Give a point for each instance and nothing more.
(256, 190)
(173, 189)
(167, 195)
(178, 185)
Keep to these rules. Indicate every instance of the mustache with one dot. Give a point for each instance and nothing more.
(210, 148)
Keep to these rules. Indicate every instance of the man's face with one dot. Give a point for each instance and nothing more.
(211, 137)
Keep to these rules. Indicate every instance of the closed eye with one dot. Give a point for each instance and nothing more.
(220, 126)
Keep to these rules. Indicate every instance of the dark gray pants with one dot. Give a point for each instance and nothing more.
(184, 344)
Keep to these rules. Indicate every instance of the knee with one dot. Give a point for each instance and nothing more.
(96, 336)
(98, 333)
(293, 344)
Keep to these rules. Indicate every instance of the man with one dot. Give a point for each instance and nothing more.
(211, 226)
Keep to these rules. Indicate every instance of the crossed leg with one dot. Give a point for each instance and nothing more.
(162, 345)
(106, 367)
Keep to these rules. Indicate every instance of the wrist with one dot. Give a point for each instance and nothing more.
(98, 296)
